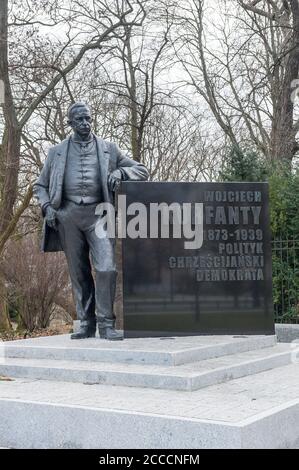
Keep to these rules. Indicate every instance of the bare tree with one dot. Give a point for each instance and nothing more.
(282, 20)
(176, 146)
(37, 71)
(139, 57)
(242, 58)
(38, 282)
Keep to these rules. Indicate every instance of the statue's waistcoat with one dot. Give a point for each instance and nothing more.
(82, 183)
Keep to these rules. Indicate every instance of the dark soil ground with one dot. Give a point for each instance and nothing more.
(15, 335)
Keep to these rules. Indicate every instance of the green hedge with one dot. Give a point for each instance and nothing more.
(246, 165)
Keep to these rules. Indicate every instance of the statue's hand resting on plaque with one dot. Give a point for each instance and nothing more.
(114, 180)
(51, 217)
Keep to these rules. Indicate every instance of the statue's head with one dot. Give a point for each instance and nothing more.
(80, 119)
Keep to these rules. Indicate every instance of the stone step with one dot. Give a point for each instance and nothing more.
(185, 377)
(151, 351)
(259, 411)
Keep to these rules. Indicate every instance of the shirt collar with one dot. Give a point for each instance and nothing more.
(83, 142)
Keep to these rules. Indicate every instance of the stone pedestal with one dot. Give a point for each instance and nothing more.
(195, 392)
(222, 284)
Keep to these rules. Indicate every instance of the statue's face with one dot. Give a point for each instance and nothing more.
(81, 121)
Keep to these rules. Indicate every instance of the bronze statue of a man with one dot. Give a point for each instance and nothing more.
(79, 173)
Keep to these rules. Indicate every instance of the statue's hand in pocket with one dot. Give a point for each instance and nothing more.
(51, 217)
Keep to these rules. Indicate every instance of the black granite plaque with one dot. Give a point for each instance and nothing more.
(220, 285)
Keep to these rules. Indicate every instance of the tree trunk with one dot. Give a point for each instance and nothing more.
(136, 150)
(283, 135)
(12, 136)
(4, 317)
(9, 154)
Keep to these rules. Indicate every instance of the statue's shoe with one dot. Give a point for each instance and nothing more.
(84, 332)
(110, 333)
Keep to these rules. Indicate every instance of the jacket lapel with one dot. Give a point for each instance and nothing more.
(103, 156)
(57, 174)
(62, 156)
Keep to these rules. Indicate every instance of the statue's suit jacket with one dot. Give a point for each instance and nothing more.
(48, 187)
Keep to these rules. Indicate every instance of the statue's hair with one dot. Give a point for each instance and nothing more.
(74, 107)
